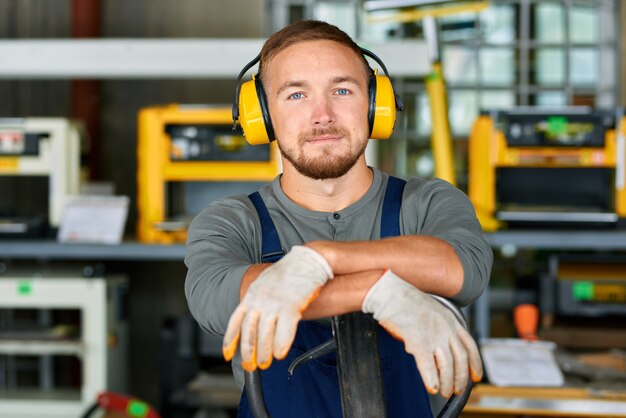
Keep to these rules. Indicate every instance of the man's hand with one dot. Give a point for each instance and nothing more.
(267, 317)
(444, 351)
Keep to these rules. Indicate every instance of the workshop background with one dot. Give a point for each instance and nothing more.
(556, 67)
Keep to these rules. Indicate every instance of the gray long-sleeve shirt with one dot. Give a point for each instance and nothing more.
(224, 240)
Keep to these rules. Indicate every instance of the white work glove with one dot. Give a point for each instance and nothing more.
(268, 315)
(444, 351)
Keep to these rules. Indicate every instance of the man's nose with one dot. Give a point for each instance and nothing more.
(323, 113)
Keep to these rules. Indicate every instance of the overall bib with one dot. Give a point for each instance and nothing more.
(313, 390)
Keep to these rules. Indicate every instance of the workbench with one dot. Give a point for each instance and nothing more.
(491, 401)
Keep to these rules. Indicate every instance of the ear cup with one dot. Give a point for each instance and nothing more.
(253, 113)
(382, 107)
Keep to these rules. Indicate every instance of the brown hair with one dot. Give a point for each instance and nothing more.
(302, 31)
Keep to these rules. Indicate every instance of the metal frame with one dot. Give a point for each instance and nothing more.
(607, 44)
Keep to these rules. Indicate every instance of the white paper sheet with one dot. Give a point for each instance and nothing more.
(94, 219)
(516, 362)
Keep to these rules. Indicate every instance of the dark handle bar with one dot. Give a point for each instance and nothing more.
(358, 364)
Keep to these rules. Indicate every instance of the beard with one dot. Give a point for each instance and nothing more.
(327, 165)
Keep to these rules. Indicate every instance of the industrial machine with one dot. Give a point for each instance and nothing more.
(582, 301)
(586, 286)
(178, 148)
(63, 340)
(533, 167)
(32, 150)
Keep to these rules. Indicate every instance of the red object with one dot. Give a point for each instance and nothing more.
(86, 18)
(110, 401)
(85, 94)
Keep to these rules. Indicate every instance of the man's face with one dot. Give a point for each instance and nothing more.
(318, 100)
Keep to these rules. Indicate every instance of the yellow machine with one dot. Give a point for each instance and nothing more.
(179, 144)
(531, 167)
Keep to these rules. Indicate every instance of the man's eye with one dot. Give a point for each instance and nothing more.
(296, 96)
(342, 92)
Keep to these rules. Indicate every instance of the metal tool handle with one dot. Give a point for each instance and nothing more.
(453, 407)
(254, 391)
(358, 366)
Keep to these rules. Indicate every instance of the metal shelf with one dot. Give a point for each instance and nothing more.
(560, 239)
(60, 396)
(130, 250)
(50, 250)
(108, 58)
(38, 347)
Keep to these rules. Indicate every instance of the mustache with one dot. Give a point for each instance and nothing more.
(317, 132)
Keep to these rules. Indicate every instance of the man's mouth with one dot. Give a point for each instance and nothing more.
(323, 139)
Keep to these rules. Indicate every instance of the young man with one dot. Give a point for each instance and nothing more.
(328, 209)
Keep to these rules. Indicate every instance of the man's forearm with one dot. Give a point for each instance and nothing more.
(341, 295)
(250, 275)
(429, 263)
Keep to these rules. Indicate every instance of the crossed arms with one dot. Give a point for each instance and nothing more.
(442, 253)
(326, 278)
(358, 265)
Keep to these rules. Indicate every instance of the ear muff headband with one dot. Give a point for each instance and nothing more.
(251, 110)
(243, 71)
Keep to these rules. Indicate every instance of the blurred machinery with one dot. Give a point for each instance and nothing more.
(63, 340)
(590, 289)
(31, 150)
(182, 145)
(195, 376)
(583, 301)
(428, 11)
(533, 167)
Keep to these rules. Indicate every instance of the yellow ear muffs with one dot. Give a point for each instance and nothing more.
(251, 111)
(254, 114)
(383, 102)
(383, 107)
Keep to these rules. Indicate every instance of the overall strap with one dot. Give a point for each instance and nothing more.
(390, 220)
(271, 249)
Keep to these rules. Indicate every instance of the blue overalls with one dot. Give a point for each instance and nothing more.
(313, 389)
